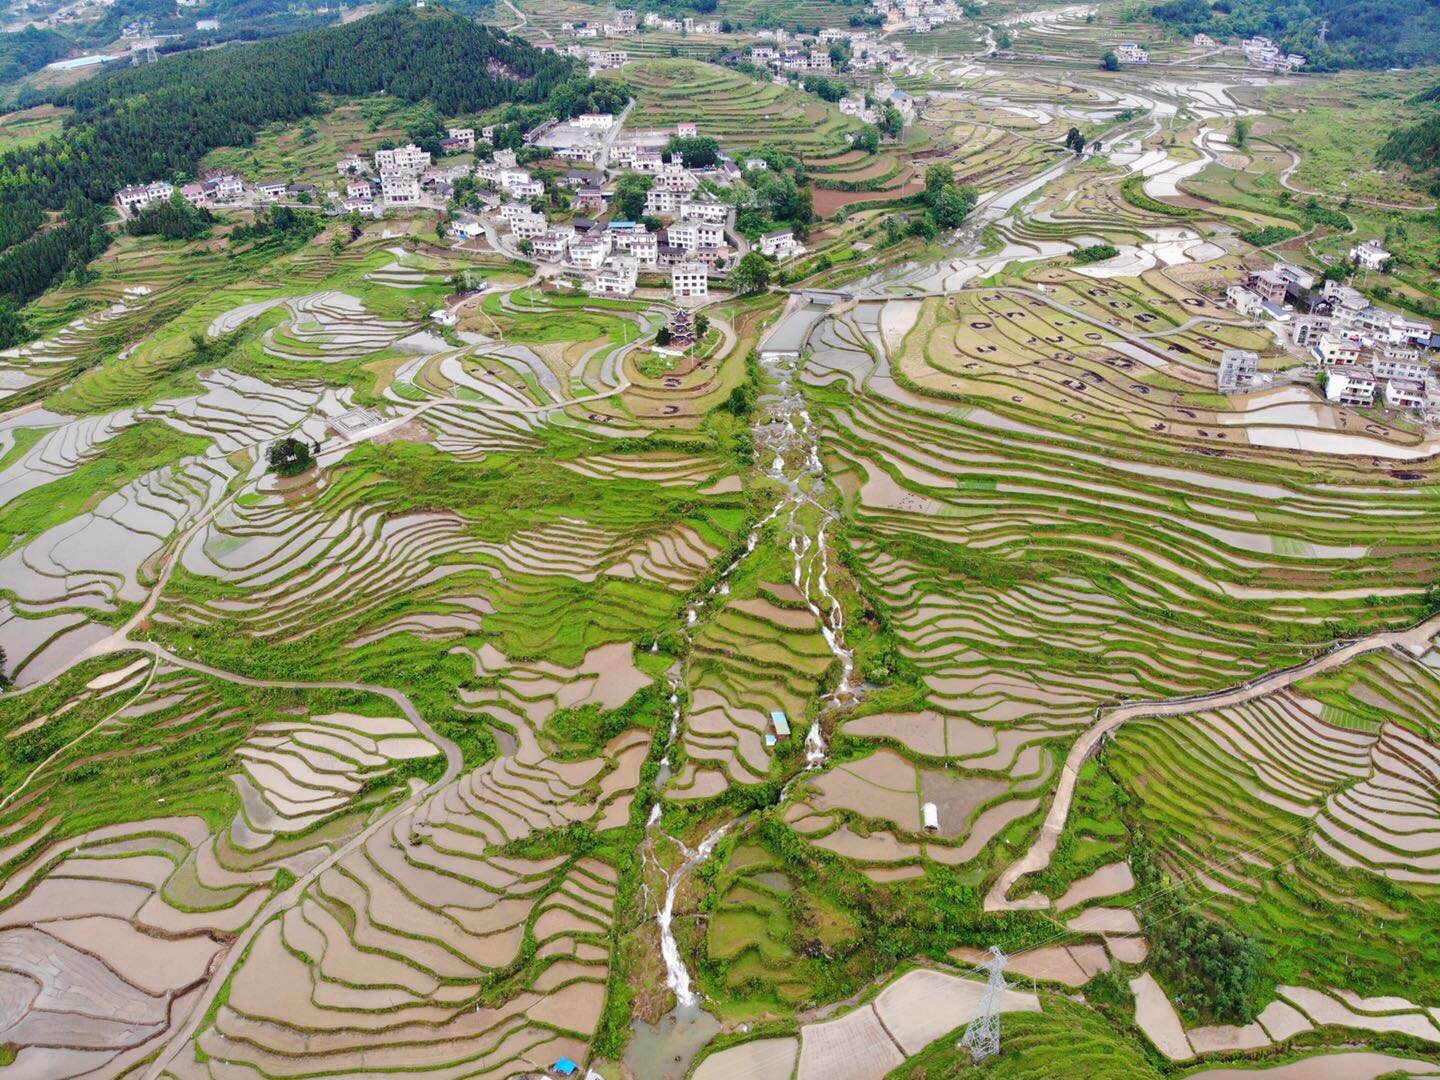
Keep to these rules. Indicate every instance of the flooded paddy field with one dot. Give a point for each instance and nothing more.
(714, 718)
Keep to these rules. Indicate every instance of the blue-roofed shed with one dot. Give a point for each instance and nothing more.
(781, 723)
(565, 1067)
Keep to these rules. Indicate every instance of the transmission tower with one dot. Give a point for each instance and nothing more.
(982, 1037)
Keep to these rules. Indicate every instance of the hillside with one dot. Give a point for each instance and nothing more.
(1417, 146)
(1367, 34)
(140, 123)
(29, 50)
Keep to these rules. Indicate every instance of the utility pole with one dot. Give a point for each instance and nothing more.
(982, 1036)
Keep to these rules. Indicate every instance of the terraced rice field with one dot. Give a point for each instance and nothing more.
(114, 916)
(736, 109)
(577, 703)
(1325, 790)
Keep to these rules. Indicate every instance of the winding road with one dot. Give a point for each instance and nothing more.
(1415, 640)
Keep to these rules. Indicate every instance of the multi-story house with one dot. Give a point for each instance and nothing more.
(616, 278)
(689, 281)
(529, 227)
(399, 188)
(1348, 387)
(402, 159)
(552, 246)
(704, 210)
(1404, 394)
(662, 203)
(133, 199)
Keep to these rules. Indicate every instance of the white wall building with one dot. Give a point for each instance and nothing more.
(689, 281)
(1350, 388)
(1370, 255)
(399, 188)
(133, 199)
(402, 159)
(779, 244)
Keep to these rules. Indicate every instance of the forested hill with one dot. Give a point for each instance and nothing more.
(459, 65)
(1358, 33)
(1418, 145)
(160, 120)
(29, 50)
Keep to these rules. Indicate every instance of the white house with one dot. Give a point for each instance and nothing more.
(779, 244)
(697, 210)
(1334, 350)
(1370, 255)
(399, 188)
(402, 159)
(529, 226)
(689, 281)
(1349, 388)
(1404, 394)
(595, 121)
(551, 246)
(660, 203)
(642, 244)
(590, 252)
(133, 199)
(1239, 371)
(683, 234)
(616, 278)
(1409, 368)
(686, 130)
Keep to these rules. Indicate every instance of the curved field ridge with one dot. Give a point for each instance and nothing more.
(1416, 641)
(429, 948)
(110, 934)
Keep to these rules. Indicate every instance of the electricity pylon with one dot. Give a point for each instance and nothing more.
(982, 1036)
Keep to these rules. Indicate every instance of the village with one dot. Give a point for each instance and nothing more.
(598, 252)
(1356, 353)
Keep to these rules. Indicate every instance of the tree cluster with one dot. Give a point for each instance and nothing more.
(174, 219)
(29, 50)
(1369, 34)
(826, 88)
(696, 151)
(1208, 966)
(947, 204)
(583, 95)
(291, 456)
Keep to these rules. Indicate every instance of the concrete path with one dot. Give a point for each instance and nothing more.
(1416, 640)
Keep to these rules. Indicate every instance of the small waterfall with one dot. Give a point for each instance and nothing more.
(677, 976)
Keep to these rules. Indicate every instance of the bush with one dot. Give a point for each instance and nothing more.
(1270, 234)
(1094, 253)
(290, 457)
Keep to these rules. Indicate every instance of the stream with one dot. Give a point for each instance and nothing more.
(784, 434)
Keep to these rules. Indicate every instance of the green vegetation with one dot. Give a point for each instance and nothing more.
(1417, 147)
(29, 50)
(1203, 962)
(172, 220)
(290, 457)
(1066, 1041)
(1270, 234)
(1379, 34)
(1094, 253)
(140, 123)
(134, 452)
(1294, 914)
